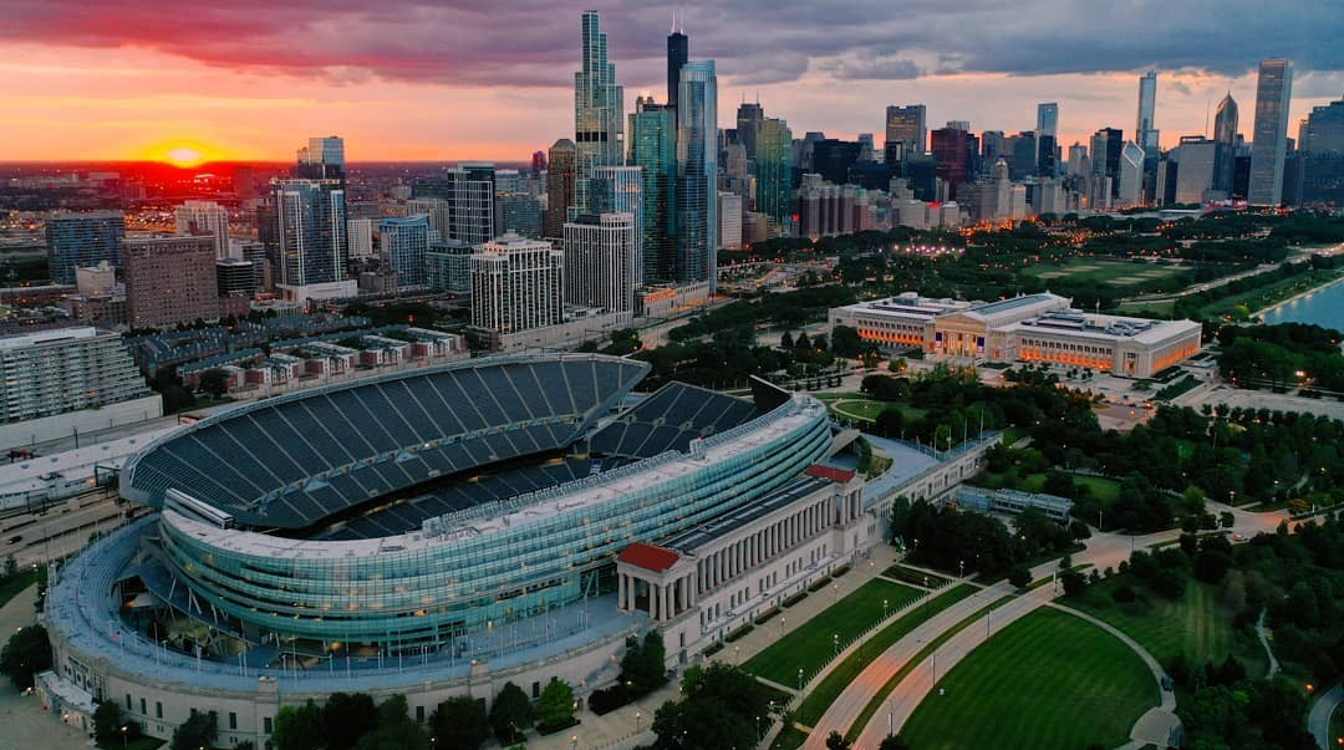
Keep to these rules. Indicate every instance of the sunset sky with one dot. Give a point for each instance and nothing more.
(400, 79)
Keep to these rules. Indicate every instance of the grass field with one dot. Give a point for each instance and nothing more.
(1104, 489)
(790, 738)
(815, 704)
(1262, 297)
(11, 586)
(1100, 271)
(811, 646)
(1195, 626)
(916, 577)
(1049, 681)
(1160, 309)
(866, 409)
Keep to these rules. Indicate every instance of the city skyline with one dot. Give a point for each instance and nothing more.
(240, 87)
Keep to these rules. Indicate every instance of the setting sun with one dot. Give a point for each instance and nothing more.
(184, 156)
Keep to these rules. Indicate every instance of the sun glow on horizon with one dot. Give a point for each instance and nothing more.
(183, 153)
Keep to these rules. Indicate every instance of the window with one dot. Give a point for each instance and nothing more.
(158, 709)
(128, 701)
(420, 714)
(266, 727)
(142, 707)
(536, 689)
(233, 720)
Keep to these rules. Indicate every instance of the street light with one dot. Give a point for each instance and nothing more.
(638, 715)
(800, 678)
(884, 609)
(123, 736)
(835, 641)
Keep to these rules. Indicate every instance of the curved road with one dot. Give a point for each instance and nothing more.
(1318, 721)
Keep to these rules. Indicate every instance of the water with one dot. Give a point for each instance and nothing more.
(1324, 307)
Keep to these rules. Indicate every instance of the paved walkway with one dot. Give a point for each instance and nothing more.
(25, 724)
(1318, 721)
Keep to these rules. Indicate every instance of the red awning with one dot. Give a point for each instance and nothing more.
(648, 557)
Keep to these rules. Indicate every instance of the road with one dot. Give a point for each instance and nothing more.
(59, 530)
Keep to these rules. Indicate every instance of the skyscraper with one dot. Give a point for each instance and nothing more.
(1131, 174)
(773, 168)
(76, 240)
(205, 217)
(310, 234)
(1273, 92)
(678, 53)
(907, 125)
(730, 221)
(1145, 134)
(517, 284)
(1047, 119)
(653, 148)
(620, 190)
(1225, 122)
(1106, 146)
(403, 242)
(559, 186)
(698, 173)
(749, 118)
(599, 110)
(322, 159)
(953, 150)
(468, 191)
(170, 280)
(600, 261)
(1225, 138)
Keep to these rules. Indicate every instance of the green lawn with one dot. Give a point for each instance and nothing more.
(815, 704)
(866, 409)
(811, 646)
(790, 738)
(1195, 626)
(1117, 273)
(11, 586)
(916, 577)
(1103, 488)
(1048, 681)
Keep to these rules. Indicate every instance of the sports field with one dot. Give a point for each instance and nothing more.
(1050, 681)
(1117, 273)
(812, 645)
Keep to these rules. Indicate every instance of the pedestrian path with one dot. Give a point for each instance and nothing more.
(26, 724)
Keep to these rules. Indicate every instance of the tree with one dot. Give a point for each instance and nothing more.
(643, 667)
(786, 341)
(215, 382)
(510, 714)
(396, 730)
(1074, 583)
(107, 724)
(346, 717)
(837, 741)
(199, 730)
(555, 709)
(893, 742)
(299, 728)
(1019, 576)
(461, 722)
(719, 709)
(845, 342)
(27, 653)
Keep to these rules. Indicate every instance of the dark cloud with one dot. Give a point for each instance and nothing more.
(535, 42)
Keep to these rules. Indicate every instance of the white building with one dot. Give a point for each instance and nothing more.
(1030, 328)
(516, 284)
(601, 252)
(360, 232)
(205, 217)
(620, 190)
(60, 382)
(730, 221)
(1130, 188)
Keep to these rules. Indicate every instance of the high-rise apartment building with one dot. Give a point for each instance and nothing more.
(1106, 146)
(1273, 93)
(170, 280)
(1145, 128)
(403, 243)
(235, 277)
(517, 207)
(360, 235)
(468, 192)
(56, 372)
(1196, 160)
(517, 284)
(620, 190)
(907, 125)
(653, 148)
(448, 266)
(560, 176)
(78, 239)
(310, 232)
(954, 150)
(599, 110)
(205, 217)
(698, 174)
(600, 261)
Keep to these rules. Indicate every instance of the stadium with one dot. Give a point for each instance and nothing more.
(439, 532)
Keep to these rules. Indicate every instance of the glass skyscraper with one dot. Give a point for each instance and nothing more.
(310, 232)
(698, 173)
(404, 241)
(599, 108)
(773, 168)
(653, 148)
(1273, 92)
(621, 190)
(78, 240)
(1145, 134)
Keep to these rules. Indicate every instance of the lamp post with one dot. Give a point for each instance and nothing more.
(884, 609)
(835, 641)
(123, 736)
(800, 678)
(638, 715)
